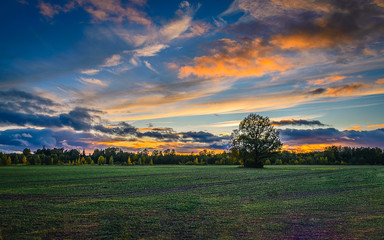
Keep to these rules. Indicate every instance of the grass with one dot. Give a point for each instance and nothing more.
(191, 202)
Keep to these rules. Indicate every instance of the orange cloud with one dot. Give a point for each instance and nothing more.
(380, 81)
(347, 89)
(379, 3)
(304, 41)
(235, 59)
(354, 128)
(327, 80)
(376, 126)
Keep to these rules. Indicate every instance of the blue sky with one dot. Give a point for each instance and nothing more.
(182, 74)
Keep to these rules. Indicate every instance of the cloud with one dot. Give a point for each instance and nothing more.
(216, 146)
(354, 128)
(78, 119)
(90, 71)
(295, 137)
(379, 3)
(326, 80)
(266, 10)
(339, 90)
(32, 138)
(236, 59)
(376, 126)
(197, 28)
(308, 41)
(380, 81)
(122, 129)
(353, 22)
(175, 28)
(111, 10)
(345, 89)
(232, 123)
(149, 51)
(317, 91)
(112, 61)
(202, 136)
(94, 81)
(297, 122)
(157, 39)
(47, 9)
(149, 66)
(20, 101)
(334, 25)
(181, 23)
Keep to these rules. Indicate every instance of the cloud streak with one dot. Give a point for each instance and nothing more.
(297, 122)
(112, 10)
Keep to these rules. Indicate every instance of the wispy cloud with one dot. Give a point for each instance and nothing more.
(149, 66)
(47, 9)
(94, 81)
(111, 10)
(149, 51)
(297, 122)
(327, 80)
(114, 60)
(231, 123)
(376, 126)
(90, 71)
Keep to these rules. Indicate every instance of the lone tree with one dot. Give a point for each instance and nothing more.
(255, 141)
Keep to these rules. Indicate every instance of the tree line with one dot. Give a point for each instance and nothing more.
(114, 156)
(332, 155)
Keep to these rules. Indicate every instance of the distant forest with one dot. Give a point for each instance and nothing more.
(114, 156)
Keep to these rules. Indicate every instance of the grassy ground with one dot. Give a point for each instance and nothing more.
(191, 202)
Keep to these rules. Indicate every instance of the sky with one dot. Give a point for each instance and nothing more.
(136, 74)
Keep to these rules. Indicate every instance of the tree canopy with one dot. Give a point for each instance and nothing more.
(255, 140)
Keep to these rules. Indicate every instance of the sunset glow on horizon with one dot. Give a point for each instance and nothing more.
(181, 75)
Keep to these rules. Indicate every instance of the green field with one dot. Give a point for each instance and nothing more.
(191, 202)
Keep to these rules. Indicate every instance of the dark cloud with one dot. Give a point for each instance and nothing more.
(19, 139)
(216, 146)
(203, 137)
(374, 138)
(344, 22)
(20, 101)
(78, 119)
(338, 90)
(122, 129)
(23, 119)
(318, 91)
(159, 135)
(297, 122)
(125, 129)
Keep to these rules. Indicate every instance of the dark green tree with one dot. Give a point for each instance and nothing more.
(27, 151)
(255, 141)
